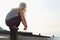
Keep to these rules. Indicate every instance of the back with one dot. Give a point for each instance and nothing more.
(11, 14)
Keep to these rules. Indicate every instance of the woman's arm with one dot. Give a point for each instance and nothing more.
(23, 20)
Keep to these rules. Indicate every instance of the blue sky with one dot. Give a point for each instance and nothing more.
(43, 16)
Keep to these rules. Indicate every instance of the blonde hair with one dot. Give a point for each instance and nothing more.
(22, 5)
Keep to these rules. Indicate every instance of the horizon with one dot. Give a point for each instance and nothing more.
(42, 16)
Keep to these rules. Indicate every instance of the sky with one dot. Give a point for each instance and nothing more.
(43, 16)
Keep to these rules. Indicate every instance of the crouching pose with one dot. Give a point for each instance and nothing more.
(13, 19)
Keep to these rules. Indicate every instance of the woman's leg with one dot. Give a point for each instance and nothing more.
(13, 30)
(13, 33)
(13, 25)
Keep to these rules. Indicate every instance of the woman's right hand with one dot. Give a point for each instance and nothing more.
(25, 28)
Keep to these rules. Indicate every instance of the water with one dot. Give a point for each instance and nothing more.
(3, 37)
(56, 38)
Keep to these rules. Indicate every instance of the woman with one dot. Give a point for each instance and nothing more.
(14, 17)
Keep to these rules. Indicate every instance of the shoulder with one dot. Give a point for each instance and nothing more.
(16, 9)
